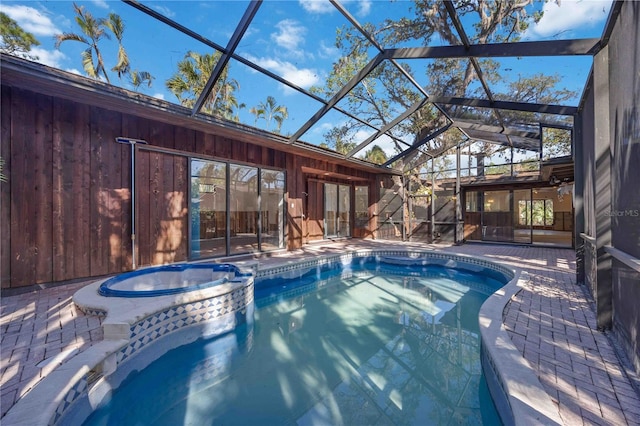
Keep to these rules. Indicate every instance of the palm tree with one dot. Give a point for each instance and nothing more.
(270, 110)
(93, 30)
(226, 101)
(376, 155)
(116, 25)
(192, 76)
(139, 77)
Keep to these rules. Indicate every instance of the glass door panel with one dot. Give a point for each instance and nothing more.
(208, 209)
(497, 218)
(272, 209)
(344, 211)
(473, 215)
(330, 210)
(522, 215)
(243, 208)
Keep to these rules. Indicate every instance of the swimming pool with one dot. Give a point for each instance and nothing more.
(372, 340)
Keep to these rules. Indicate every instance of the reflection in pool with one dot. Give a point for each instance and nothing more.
(367, 344)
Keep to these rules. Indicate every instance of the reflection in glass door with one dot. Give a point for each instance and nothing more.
(344, 210)
(497, 216)
(522, 215)
(330, 210)
(208, 208)
(337, 210)
(272, 209)
(243, 208)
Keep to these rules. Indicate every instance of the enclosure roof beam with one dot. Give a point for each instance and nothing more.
(508, 105)
(418, 144)
(474, 61)
(575, 47)
(462, 124)
(413, 108)
(337, 97)
(611, 23)
(384, 52)
(242, 27)
(234, 56)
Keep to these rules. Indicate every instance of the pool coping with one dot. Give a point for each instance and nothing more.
(527, 402)
(512, 381)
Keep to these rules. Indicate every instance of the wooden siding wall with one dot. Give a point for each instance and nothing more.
(66, 208)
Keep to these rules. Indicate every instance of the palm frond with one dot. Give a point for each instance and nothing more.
(88, 64)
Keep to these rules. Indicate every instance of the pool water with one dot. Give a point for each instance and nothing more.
(371, 344)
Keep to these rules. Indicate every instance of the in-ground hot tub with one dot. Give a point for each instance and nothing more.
(169, 279)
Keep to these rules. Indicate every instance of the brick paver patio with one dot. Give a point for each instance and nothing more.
(551, 321)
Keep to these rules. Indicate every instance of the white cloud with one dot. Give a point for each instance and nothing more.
(569, 16)
(303, 77)
(165, 11)
(158, 96)
(328, 51)
(74, 71)
(384, 142)
(31, 20)
(317, 6)
(364, 7)
(290, 35)
(52, 58)
(101, 3)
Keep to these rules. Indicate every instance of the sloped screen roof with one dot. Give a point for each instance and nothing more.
(385, 81)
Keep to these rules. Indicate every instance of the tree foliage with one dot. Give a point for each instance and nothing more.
(386, 92)
(14, 40)
(92, 33)
(269, 111)
(376, 155)
(191, 78)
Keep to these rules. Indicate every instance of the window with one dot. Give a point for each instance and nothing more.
(536, 212)
(497, 201)
(471, 199)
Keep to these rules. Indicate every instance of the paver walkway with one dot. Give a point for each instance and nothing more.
(551, 321)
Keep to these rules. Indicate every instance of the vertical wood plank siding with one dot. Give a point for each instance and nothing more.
(66, 209)
(5, 188)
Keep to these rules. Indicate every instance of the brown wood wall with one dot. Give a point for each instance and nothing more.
(66, 209)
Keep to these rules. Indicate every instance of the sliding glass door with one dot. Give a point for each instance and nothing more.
(208, 208)
(271, 209)
(235, 209)
(337, 210)
(243, 208)
(330, 210)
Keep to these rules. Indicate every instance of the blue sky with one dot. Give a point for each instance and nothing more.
(293, 39)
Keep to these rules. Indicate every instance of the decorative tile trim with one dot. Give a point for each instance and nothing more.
(92, 311)
(78, 390)
(157, 325)
(347, 258)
